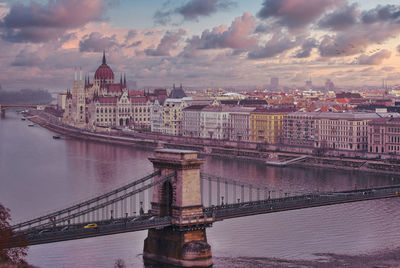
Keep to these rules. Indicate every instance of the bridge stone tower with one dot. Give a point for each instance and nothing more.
(183, 244)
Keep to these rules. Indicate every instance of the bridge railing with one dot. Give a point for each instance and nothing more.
(107, 203)
(293, 202)
(222, 190)
(95, 205)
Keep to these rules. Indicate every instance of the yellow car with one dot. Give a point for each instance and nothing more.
(91, 225)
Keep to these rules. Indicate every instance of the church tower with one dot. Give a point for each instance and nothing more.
(79, 88)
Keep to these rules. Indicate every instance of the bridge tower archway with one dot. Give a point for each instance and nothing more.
(167, 195)
(180, 199)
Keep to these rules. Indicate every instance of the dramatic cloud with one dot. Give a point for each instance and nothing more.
(372, 28)
(26, 58)
(96, 42)
(192, 10)
(237, 36)
(306, 48)
(278, 44)
(167, 43)
(3, 10)
(42, 22)
(130, 35)
(196, 8)
(374, 59)
(340, 19)
(295, 13)
(135, 44)
(382, 13)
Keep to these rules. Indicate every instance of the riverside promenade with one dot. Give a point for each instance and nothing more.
(282, 154)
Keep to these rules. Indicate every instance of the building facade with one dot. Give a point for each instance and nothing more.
(214, 123)
(239, 123)
(384, 135)
(343, 131)
(299, 129)
(266, 125)
(191, 121)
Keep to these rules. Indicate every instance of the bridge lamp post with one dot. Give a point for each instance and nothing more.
(112, 214)
(238, 200)
(141, 211)
(222, 201)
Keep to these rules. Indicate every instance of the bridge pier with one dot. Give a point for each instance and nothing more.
(2, 112)
(185, 243)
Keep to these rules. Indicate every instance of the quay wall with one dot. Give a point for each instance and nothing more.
(348, 160)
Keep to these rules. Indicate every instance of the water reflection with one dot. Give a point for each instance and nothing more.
(38, 174)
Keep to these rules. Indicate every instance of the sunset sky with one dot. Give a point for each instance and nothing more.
(200, 43)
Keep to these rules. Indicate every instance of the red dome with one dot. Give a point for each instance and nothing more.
(104, 72)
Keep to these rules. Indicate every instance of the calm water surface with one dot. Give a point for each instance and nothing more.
(39, 174)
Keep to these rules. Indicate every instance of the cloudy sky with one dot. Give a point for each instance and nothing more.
(201, 43)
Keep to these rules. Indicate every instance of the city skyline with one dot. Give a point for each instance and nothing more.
(207, 43)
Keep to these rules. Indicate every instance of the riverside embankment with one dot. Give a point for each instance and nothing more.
(227, 149)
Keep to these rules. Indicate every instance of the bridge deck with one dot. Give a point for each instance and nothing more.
(34, 236)
(299, 202)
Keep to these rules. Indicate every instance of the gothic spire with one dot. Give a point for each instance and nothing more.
(124, 80)
(104, 57)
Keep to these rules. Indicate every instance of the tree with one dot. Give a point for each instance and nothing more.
(10, 255)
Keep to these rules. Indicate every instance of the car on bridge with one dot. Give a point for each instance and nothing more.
(90, 225)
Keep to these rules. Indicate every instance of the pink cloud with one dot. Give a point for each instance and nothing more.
(295, 13)
(374, 59)
(237, 36)
(42, 22)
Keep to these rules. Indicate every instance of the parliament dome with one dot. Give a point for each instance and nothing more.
(104, 72)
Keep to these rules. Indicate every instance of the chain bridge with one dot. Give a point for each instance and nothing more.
(176, 203)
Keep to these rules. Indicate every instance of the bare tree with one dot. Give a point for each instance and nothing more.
(12, 256)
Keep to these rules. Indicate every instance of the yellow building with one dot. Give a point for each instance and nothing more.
(266, 124)
(172, 115)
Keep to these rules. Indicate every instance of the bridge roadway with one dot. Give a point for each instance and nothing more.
(35, 236)
(229, 211)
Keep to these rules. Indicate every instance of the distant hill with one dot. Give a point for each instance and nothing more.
(25, 96)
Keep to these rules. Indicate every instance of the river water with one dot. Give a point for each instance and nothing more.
(39, 174)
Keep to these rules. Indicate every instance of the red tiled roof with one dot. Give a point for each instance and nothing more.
(343, 100)
(105, 100)
(138, 99)
(114, 88)
(135, 93)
